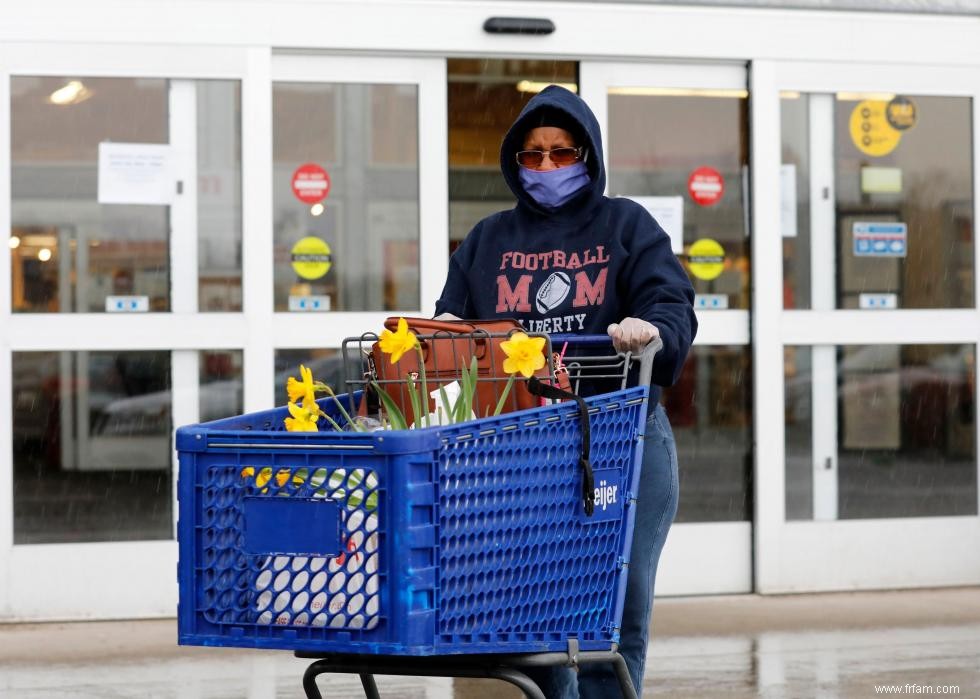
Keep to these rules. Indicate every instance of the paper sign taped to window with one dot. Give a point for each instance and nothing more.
(669, 213)
(881, 180)
(136, 173)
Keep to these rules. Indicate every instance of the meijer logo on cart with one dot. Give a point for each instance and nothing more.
(605, 495)
(608, 495)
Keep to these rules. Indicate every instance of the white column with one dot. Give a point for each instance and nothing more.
(6, 368)
(257, 282)
(183, 210)
(433, 183)
(823, 286)
(976, 256)
(767, 294)
(185, 403)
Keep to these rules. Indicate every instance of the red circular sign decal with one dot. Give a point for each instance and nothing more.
(311, 184)
(705, 186)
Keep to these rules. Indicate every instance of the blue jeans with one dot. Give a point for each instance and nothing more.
(657, 506)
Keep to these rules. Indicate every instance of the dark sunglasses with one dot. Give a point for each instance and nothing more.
(559, 156)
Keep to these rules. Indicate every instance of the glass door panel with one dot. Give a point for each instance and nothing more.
(346, 196)
(688, 149)
(676, 141)
(877, 326)
(97, 167)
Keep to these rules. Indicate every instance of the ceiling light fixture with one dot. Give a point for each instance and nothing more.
(677, 92)
(861, 96)
(537, 86)
(72, 93)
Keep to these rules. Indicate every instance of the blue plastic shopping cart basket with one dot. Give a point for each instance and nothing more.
(456, 539)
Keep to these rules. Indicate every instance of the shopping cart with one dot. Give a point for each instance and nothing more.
(458, 550)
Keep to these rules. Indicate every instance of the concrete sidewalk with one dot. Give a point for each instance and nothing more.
(819, 645)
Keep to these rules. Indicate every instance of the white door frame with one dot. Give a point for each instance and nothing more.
(429, 74)
(832, 554)
(728, 545)
(129, 579)
(106, 579)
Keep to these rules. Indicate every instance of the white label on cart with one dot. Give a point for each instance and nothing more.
(609, 495)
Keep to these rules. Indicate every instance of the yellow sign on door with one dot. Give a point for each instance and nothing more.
(311, 258)
(706, 259)
(870, 130)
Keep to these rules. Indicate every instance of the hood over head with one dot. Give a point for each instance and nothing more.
(556, 106)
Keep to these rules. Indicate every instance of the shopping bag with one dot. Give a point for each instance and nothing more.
(448, 347)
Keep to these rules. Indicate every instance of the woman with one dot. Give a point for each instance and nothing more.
(568, 259)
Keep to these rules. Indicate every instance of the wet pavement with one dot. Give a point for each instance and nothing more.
(793, 647)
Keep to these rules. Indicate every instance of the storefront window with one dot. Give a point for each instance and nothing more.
(923, 183)
(326, 365)
(346, 197)
(88, 229)
(902, 178)
(221, 392)
(906, 431)
(710, 411)
(219, 195)
(485, 96)
(795, 200)
(798, 368)
(684, 155)
(92, 446)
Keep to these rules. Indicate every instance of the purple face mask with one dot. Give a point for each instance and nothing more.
(552, 188)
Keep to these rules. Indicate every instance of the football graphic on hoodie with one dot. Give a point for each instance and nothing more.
(553, 292)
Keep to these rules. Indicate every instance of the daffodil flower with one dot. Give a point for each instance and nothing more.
(398, 343)
(302, 404)
(299, 390)
(525, 355)
(304, 416)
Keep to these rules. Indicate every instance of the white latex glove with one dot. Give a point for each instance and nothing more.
(446, 316)
(632, 334)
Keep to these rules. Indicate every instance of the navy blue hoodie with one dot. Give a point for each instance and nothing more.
(575, 269)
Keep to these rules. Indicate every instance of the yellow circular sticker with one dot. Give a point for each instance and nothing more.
(870, 130)
(311, 258)
(901, 113)
(706, 258)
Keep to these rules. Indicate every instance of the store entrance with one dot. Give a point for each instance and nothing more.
(677, 142)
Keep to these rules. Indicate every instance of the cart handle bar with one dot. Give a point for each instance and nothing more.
(644, 356)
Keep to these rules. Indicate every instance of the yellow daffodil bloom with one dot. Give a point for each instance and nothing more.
(304, 416)
(524, 354)
(299, 390)
(398, 343)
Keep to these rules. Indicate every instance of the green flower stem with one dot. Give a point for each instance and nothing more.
(471, 393)
(329, 391)
(449, 417)
(503, 396)
(425, 385)
(394, 412)
(413, 396)
(330, 420)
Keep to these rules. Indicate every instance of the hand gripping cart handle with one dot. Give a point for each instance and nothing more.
(584, 361)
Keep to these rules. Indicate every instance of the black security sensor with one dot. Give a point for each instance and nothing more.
(518, 25)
